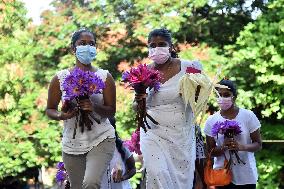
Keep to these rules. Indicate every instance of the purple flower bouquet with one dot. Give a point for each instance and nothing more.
(229, 129)
(80, 85)
(141, 78)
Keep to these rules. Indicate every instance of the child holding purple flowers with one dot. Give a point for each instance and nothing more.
(86, 156)
(245, 142)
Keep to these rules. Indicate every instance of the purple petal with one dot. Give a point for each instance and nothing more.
(60, 166)
(81, 83)
(226, 127)
(60, 176)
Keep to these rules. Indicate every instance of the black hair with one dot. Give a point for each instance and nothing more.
(76, 35)
(230, 84)
(166, 34)
(118, 141)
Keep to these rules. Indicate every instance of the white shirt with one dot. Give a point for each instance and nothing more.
(107, 181)
(242, 174)
(85, 141)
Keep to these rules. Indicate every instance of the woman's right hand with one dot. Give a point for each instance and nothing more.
(231, 144)
(69, 114)
(139, 97)
(227, 142)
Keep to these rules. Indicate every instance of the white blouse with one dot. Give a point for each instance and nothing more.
(169, 148)
(85, 141)
(242, 174)
(107, 181)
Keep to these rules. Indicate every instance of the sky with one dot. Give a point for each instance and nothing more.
(35, 8)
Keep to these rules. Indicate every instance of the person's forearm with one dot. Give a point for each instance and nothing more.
(53, 114)
(104, 111)
(129, 174)
(218, 151)
(253, 147)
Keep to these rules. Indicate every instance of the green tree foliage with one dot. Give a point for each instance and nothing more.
(256, 62)
(218, 23)
(122, 27)
(12, 16)
(270, 164)
(25, 133)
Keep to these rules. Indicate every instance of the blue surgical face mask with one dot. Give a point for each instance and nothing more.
(86, 53)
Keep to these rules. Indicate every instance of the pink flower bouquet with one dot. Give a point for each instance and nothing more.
(141, 78)
(134, 143)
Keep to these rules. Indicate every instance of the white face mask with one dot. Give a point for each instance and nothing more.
(159, 55)
(86, 54)
(225, 102)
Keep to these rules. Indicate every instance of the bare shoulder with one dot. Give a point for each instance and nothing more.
(109, 76)
(110, 80)
(54, 80)
(54, 86)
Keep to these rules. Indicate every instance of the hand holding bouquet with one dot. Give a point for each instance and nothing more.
(79, 85)
(140, 79)
(229, 129)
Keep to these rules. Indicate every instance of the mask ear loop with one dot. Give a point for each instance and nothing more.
(219, 96)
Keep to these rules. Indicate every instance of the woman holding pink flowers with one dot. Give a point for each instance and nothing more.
(88, 96)
(242, 145)
(168, 148)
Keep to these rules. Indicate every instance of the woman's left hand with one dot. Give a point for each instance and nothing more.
(86, 105)
(234, 145)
